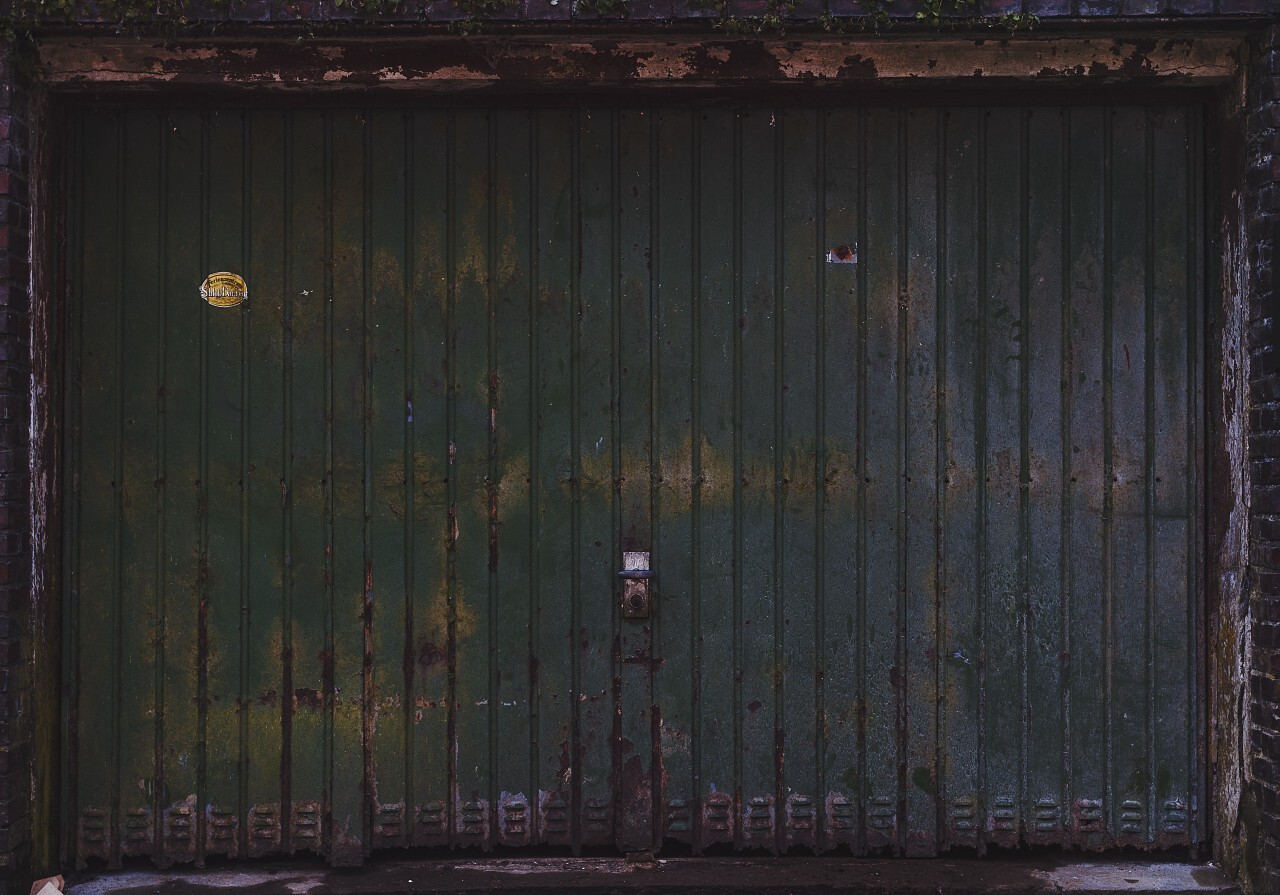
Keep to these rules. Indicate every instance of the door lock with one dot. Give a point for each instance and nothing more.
(635, 575)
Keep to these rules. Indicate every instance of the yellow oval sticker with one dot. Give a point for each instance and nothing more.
(224, 289)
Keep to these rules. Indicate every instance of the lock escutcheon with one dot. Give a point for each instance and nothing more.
(635, 598)
(635, 577)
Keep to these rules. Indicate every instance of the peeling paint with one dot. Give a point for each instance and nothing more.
(664, 66)
(442, 61)
(1229, 644)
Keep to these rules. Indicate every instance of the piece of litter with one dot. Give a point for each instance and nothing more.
(49, 885)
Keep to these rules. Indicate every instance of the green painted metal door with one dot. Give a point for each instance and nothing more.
(904, 405)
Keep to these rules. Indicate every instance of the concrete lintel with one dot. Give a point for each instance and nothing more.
(88, 61)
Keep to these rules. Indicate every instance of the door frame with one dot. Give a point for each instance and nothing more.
(71, 70)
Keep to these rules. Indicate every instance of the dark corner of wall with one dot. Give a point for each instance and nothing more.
(16, 684)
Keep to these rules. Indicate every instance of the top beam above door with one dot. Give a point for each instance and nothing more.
(447, 63)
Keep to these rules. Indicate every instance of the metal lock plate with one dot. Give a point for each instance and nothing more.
(635, 575)
(635, 598)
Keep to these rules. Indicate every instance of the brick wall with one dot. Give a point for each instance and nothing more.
(15, 528)
(1264, 181)
(1263, 149)
(842, 13)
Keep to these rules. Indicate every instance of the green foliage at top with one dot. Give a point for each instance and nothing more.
(175, 17)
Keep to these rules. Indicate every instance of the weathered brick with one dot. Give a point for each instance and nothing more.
(13, 350)
(1261, 92)
(1000, 7)
(1262, 332)
(849, 9)
(547, 10)
(1265, 118)
(1266, 634)
(1264, 607)
(1265, 555)
(448, 11)
(1265, 359)
(1262, 446)
(1267, 198)
(1269, 849)
(1265, 687)
(12, 542)
(1266, 528)
(1262, 170)
(1264, 770)
(13, 268)
(1263, 177)
(14, 836)
(10, 651)
(1268, 583)
(1268, 799)
(12, 810)
(1264, 389)
(13, 598)
(1046, 9)
(14, 488)
(1266, 498)
(701, 9)
(1243, 7)
(1263, 417)
(13, 319)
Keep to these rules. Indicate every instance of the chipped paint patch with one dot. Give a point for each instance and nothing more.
(673, 64)
(115, 77)
(810, 62)
(460, 73)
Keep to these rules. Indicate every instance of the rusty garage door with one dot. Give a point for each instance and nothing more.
(890, 420)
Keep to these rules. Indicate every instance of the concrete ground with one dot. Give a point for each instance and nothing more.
(686, 876)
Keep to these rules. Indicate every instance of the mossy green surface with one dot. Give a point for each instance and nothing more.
(177, 18)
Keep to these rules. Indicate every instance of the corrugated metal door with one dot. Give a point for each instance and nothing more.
(341, 561)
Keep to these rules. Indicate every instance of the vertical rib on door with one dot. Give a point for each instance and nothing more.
(341, 561)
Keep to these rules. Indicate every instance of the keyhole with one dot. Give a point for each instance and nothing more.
(637, 601)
